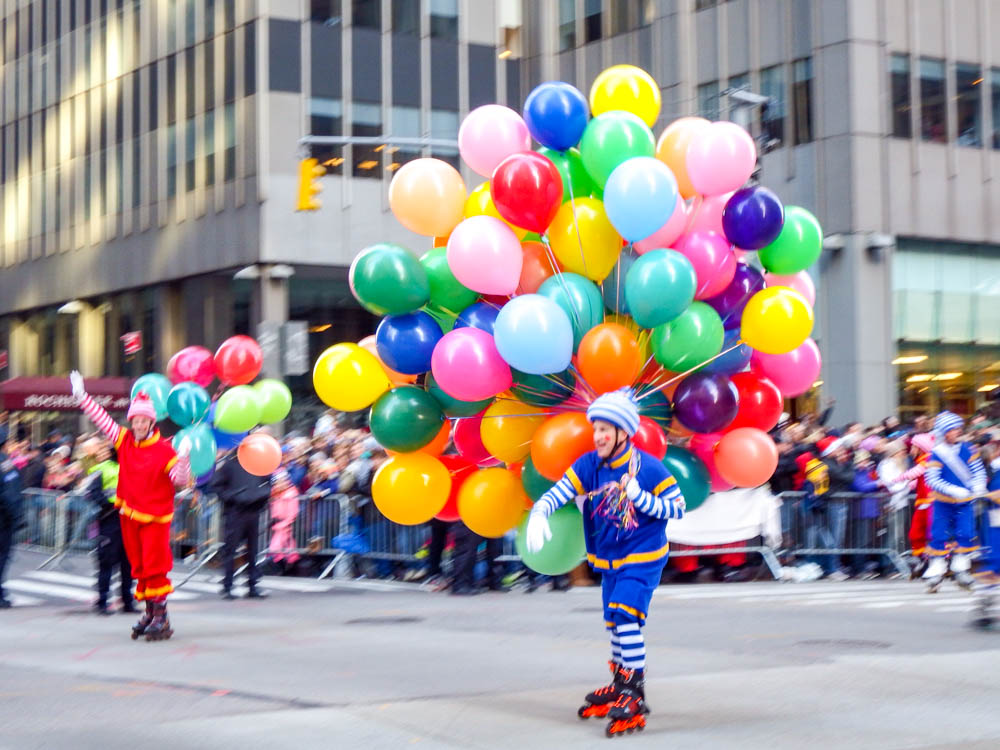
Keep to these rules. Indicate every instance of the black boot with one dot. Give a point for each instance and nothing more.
(140, 627)
(628, 713)
(599, 701)
(159, 629)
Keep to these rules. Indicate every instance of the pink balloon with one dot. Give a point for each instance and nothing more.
(467, 365)
(801, 282)
(666, 235)
(469, 441)
(485, 256)
(708, 216)
(195, 363)
(489, 134)
(720, 158)
(793, 372)
(712, 258)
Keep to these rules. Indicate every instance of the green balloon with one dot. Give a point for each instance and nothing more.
(157, 387)
(238, 409)
(579, 297)
(693, 479)
(564, 551)
(534, 483)
(387, 280)
(572, 171)
(689, 340)
(657, 407)
(532, 237)
(612, 138)
(275, 400)
(540, 391)
(446, 293)
(659, 287)
(451, 406)
(444, 318)
(405, 419)
(797, 247)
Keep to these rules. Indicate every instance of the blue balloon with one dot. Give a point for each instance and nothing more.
(534, 335)
(481, 315)
(203, 447)
(187, 403)
(659, 287)
(613, 287)
(731, 362)
(405, 342)
(753, 218)
(640, 196)
(556, 114)
(227, 441)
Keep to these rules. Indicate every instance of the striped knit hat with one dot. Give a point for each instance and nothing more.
(947, 421)
(141, 406)
(617, 407)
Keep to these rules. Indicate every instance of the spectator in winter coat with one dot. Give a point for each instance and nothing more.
(866, 513)
(284, 511)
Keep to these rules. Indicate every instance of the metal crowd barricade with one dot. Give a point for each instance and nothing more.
(55, 521)
(196, 529)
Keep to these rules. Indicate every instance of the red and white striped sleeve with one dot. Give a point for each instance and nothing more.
(180, 471)
(111, 429)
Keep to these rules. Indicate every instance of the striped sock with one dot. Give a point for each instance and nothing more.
(633, 648)
(616, 649)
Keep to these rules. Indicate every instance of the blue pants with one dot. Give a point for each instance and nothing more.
(626, 592)
(953, 521)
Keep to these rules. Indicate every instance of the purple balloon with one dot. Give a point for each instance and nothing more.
(729, 303)
(706, 401)
(753, 218)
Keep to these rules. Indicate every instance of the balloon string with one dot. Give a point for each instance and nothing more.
(696, 206)
(684, 374)
(556, 381)
(576, 225)
(591, 392)
(565, 286)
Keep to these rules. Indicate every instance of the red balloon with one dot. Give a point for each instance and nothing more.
(469, 443)
(192, 363)
(259, 454)
(760, 402)
(460, 470)
(527, 190)
(703, 446)
(650, 438)
(238, 360)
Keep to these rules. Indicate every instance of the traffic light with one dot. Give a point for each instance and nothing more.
(309, 173)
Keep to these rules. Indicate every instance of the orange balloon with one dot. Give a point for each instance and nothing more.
(259, 454)
(537, 267)
(398, 378)
(746, 457)
(441, 241)
(427, 196)
(436, 446)
(672, 148)
(609, 357)
(559, 442)
(491, 502)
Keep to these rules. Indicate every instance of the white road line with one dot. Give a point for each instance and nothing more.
(88, 582)
(51, 589)
(20, 600)
(790, 590)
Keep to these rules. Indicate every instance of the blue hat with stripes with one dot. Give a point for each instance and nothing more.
(617, 407)
(947, 421)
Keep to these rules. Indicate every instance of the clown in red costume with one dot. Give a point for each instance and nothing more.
(150, 469)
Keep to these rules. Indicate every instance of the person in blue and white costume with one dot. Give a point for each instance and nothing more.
(956, 476)
(626, 497)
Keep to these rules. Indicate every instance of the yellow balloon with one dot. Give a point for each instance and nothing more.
(480, 203)
(506, 432)
(776, 320)
(584, 222)
(491, 502)
(411, 488)
(626, 87)
(348, 378)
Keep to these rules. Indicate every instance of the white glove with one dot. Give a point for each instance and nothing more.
(76, 381)
(184, 449)
(978, 491)
(632, 489)
(538, 531)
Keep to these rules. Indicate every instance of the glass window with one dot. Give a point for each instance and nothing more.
(367, 13)
(592, 20)
(229, 64)
(367, 123)
(802, 100)
(326, 12)
(327, 118)
(209, 18)
(772, 114)
(190, 140)
(189, 25)
(444, 124)
(209, 147)
(171, 89)
(968, 97)
(406, 17)
(230, 153)
(189, 72)
(172, 161)
(995, 98)
(567, 24)
(708, 100)
(405, 124)
(899, 82)
(444, 19)
(933, 122)
(739, 81)
(627, 15)
(209, 74)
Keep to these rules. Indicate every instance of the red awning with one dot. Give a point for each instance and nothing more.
(54, 394)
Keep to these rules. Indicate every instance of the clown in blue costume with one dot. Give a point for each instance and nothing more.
(989, 572)
(626, 497)
(956, 476)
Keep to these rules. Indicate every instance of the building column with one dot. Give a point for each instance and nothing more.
(90, 341)
(23, 355)
(268, 310)
(170, 329)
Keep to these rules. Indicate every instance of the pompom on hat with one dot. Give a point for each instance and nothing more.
(141, 406)
(617, 407)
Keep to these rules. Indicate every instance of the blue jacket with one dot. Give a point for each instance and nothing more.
(867, 506)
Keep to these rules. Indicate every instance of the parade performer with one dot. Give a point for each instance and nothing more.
(149, 470)
(920, 523)
(989, 573)
(956, 476)
(626, 497)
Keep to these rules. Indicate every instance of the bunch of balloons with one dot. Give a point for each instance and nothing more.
(603, 258)
(225, 421)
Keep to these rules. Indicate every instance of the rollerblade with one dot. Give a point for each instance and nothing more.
(159, 629)
(984, 618)
(933, 584)
(140, 627)
(599, 701)
(964, 580)
(628, 712)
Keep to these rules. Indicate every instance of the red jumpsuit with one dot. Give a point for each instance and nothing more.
(921, 523)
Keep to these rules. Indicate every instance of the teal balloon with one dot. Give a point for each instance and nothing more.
(405, 419)
(387, 280)
(579, 298)
(187, 403)
(203, 447)
(540, 390)
(564, 551)
(657, 407)
(452, 407)
(238, 409)
(693, 479)
(534, 483)
(157, 387)
(275, 400)
(689, 340)
(613, 287)
(659, 287)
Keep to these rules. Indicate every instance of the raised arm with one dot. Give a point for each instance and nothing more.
(97, 414)
(180, 466)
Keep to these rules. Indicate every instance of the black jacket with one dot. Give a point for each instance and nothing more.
(237, 487)
(841, 475)
(10, 494)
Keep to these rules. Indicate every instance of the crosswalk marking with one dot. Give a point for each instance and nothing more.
(88, 582)
(50, 589)
(21, 600)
